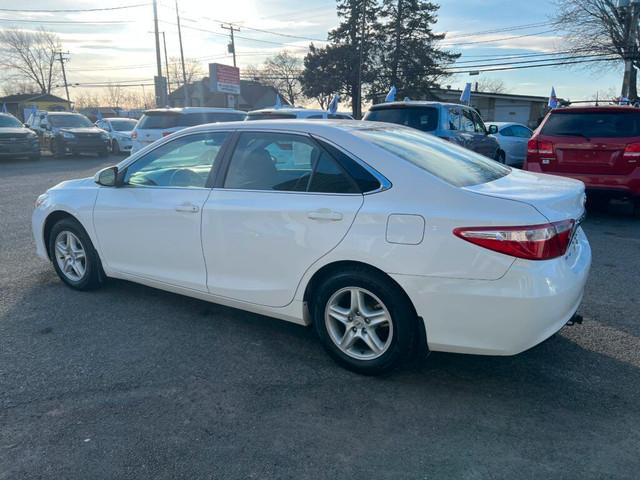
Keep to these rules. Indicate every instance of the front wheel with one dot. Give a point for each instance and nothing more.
(57, 150)
(75, 260)
(501, 157)
(364, 320)
(115, 147)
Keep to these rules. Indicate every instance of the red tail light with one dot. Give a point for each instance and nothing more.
(545, 148)
(165, 134)
(533, 242)
(448, 139)
(632, 150)
(134, 134)
(539, 146)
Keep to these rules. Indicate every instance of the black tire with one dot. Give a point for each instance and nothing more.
(91, 277)
(401, 312)
(34, 157)
(501, 157)
(636, 209)
(115, 147)
(57, 150)
(103, 153)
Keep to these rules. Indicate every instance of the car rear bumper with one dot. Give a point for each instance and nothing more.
(615, 185)
(530, 303)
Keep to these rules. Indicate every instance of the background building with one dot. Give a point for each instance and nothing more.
(21, 105)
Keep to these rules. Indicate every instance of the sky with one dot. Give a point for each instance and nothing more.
(118, 45)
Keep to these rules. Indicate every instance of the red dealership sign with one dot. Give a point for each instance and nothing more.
(224, 79)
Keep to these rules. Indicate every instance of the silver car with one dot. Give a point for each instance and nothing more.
(456, 123)
(513, 138)
(119, 130)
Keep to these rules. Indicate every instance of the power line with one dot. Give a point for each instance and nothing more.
(75, 10)
(500, 30)
(66, 22)
(497, 39)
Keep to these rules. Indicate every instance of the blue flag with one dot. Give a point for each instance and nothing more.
(553, 100)
(391, 96)
(35, 109)
(99, 115)
(4, 108)
(278, 104)
(406, 99)
(333, 106)
(466, 93)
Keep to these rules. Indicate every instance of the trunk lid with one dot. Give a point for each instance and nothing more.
(557, 198)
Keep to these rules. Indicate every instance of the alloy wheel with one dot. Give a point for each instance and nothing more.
(71, 256)
(358, 323)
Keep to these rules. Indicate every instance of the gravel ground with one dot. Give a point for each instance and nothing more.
(132, 382)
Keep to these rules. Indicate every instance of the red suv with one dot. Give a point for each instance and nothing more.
(598, 145)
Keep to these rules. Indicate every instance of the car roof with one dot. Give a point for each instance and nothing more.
(414, 103)
(185, 110)
(295, 110)
(118, 118)
(594, 109)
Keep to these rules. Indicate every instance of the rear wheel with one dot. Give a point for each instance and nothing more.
(74, 258)
(501, 157)
(364, 320)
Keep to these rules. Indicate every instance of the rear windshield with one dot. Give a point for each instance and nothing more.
(422, 118)
(270, 116)
(453, 164)
(160, 121)
(593, 124)
(123, 125)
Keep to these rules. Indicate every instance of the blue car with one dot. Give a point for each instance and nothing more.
(456, 123)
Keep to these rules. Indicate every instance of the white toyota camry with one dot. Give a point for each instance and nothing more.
(382, 237)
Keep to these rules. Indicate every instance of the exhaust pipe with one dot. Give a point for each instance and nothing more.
(575, 320)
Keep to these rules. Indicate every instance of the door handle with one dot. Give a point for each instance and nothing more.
(322, 215)
(187, 208)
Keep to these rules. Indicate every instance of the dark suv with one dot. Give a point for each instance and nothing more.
(64, 132)
(16, 140)
(598, 145)
(458, 124)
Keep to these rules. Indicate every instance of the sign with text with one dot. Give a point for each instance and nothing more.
(224, 79)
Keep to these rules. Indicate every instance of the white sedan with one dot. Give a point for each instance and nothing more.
(513, 139)
(382, 237)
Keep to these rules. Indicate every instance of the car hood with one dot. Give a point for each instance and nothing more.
(14, 131)
(557, 198)
(77, 183)
(80, 130)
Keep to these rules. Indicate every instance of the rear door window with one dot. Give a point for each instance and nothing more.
(593, 124)
(421, 118)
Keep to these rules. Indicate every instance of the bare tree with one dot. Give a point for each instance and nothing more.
(29, 58)
(114, 95)
(86, 99)
(594, 27)
(282, 71)
(492, 85)
(193, 69)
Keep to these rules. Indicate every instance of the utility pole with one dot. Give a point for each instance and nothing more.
(184, 71)
(64, 76)
(631, 50)
(166, 63)
(233, 42)
(158, 61)
(358, 111)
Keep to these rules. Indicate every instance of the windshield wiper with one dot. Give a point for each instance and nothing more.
(574, 134)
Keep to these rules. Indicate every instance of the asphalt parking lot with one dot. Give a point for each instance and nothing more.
(131, 382)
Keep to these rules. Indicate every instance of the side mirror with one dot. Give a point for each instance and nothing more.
(493, 129)
(46, 126)
(26, 125)
(107, 177)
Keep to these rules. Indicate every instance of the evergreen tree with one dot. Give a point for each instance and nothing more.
(410, 58)
(352, 35)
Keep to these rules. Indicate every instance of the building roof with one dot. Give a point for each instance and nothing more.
(251, 91)
(506, 96)
(32, 97)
